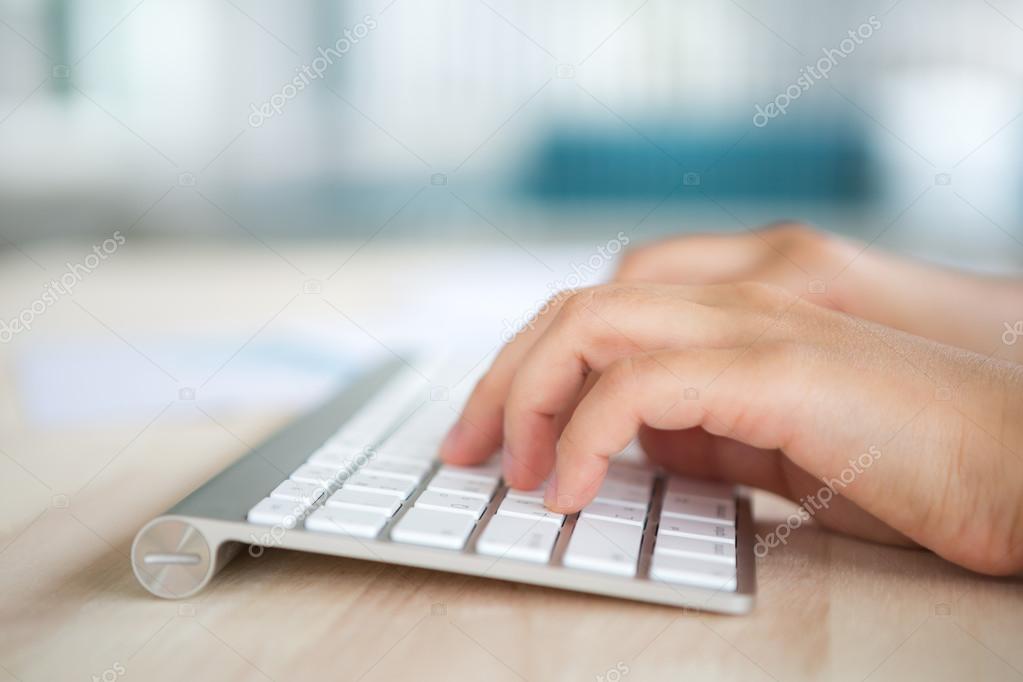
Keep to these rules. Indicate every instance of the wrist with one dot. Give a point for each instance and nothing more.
(989, 468)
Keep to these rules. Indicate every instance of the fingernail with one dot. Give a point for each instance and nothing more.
(451, 440)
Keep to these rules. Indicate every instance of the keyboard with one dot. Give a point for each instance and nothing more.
(369, 486)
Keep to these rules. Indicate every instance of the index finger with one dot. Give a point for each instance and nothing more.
(479, 430)
(650, 390)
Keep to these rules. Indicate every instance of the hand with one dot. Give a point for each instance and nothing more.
(960, 309)
(751, 384)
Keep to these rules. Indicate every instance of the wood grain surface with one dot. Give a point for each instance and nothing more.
(72, 497)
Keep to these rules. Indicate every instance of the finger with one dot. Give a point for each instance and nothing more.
(651, 389)
(478, 432)
(561, 420)
(538, 471)
(589, 334)
(700, 258)
(704, 258)
(698, 454)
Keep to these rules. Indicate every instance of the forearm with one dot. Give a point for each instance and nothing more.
(976, 312)
(969, 450)
(982, 314)
(987, 407)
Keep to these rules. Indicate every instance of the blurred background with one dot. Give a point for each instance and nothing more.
(417, 171)
(549, 120)
(215, 212)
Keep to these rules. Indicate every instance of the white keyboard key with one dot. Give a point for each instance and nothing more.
(424, 455)
(346, 445)
(488, 471)
(421, 435)
(460, 485)
(449, 502)
(608, 511)
(699, 530)
(692, 486)
(708, 574)
(705, 549)
(399, 487)
(379, 503)
(364, 428)
(536, 495)
(416, 436)
(429, 420)
(604, 546)
(356, 435)
(433, 528)
(529, 509)
(306, 493)
(699, 509)
(631, 475)
(515, 538)
(338, 459)
(360, 524)
(411, 470)
(322, 475)
(271, 512)
(626, 494)
(424, 435)
(409, 459)
(417, 453)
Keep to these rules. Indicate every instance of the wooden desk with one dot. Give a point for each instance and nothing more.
(73, 497)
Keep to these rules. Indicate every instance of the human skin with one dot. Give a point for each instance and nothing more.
(957, 308)
(731, 361)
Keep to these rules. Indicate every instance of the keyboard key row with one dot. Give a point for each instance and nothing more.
(445, 514)
(695, 541)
